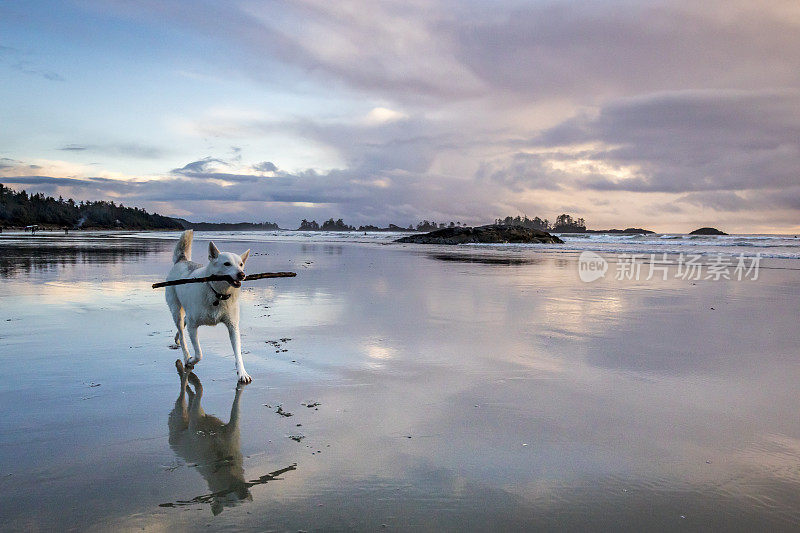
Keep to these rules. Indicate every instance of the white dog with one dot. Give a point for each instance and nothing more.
(209, 303)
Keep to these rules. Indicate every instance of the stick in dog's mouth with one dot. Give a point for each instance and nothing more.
(235, 283)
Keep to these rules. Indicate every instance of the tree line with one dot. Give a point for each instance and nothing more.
(23, 209)
(228, 226)
(328, 225)
(564, 223)
(340, 225)
(18, 209)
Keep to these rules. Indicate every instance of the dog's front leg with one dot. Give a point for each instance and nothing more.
(198, 353)
(236, 344)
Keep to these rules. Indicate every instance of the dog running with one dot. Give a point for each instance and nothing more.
(206, 304)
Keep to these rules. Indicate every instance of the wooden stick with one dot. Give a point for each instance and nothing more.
(218, 277)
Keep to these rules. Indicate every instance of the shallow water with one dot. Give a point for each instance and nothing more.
(747, 245)
(458, 388)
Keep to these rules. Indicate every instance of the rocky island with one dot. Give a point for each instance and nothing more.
(707, 231)
(493, 233)
(626, 231)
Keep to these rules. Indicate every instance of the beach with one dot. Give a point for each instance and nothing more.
(400, 387)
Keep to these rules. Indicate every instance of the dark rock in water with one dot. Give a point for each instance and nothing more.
(629, 231)
(484, 234)
(639, 231)
(707, 231)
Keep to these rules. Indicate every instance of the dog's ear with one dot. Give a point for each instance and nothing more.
(244, 256)
(213, 252)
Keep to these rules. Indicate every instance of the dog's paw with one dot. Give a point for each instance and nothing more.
(244, 377)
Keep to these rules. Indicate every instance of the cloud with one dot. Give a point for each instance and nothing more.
(383, 115)
(6, 162)
(27, 68)
(19, 61)
(396, 48)
(473, 110)
(50, 180)
(265, 166)
(361, 198)
(434, 52)
(522, 171)
(601, 49)
(701, 148)
(134, 150)
(408, 144)
(197, 167)
(717, 200)
(678, 142)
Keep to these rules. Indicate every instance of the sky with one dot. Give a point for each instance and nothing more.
(668, 115)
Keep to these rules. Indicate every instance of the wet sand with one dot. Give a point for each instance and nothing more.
(429, 388)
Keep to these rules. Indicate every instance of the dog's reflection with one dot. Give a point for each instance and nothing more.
(212, 446)
(208, 442)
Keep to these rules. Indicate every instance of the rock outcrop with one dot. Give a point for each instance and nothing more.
(707, 231)
(628, 231)
(492, 233)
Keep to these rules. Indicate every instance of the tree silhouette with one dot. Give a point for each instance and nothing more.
(22, 209)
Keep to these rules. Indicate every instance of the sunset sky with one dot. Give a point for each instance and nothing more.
(666, 115)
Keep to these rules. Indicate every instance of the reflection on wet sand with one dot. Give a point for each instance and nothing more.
(212, 446)
(484, 259)
(32, 254)
(458, 396)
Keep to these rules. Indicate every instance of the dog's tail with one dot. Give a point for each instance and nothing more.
(183, 250)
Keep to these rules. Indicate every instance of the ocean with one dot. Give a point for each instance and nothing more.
(747, 245)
